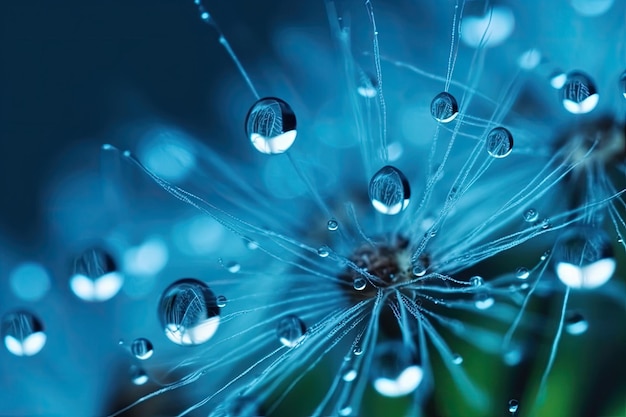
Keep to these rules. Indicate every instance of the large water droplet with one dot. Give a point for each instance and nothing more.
(188, 312)
(271, 125)
(394, 373)
(575, 323)
(23, 333)
(96, 277)
(332, 225)
(444, 107)
(389, 191)
(476, 281)
(499, 142)
(142, 348)
(290, 331)
(583, 258)
(579, 93)
(513, 406)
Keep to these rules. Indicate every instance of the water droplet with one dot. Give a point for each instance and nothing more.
(488, 30)
(271, 125)
(579, 93)
(622, 84)
(23, 333)
(483, 301)
(531, 215)
(499, 142)
(419, 269)
(389, 191)
(546, 224)
(350, 375)
(323, 251)
(590, 8)
(545, 255)
(359, 283)
(357, 351)
(332, 225)
(96, 277)
(345, 411)
(142, 348)
(30, 281)
(290, 331)
(205, 16)
(444, 107)
(476, 281)
(522, 273)
(513, 406)
(583, 258)
(233, 267)
(457, 359)
(252, 244)
(529, 59)
(512, 356)
(138, 375)
(394, 372)
(188, 312)
(221, 301)
(557, 79)
(367, 86)
(575, 323)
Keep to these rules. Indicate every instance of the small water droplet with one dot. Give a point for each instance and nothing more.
(138, 375)
(221, 301)
(499, 142)
(345, 411)
(522, 273)
(457, 359)
(357, 351)
(579, 94)
(23, 333)
(483, 301)
(389, 191)
(622, 84)
(205, 16)
(531, 215)
(233, 267)
(141, 348)
(96, 276)
(575, 323)
(419, 269)
(251, 244)
(583, 258)
(323, 251)
(291, 330)
(444, 107)
(545, 255)
(271, 125)
(394, 372)
(188, 312)
(557, 79)
(513, 406)
(546, 224)
(367, 86)
(476, 281)
(332, 225)
(359, 283)
(350, 375)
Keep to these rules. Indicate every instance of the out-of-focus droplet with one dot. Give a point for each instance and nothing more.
(522, 273)
(444, 107)
(394, 373)
(389, 191)
(575, 323)
(23, 333)
(531, 215)
(589, 8)
(557, 79)
(367, 86)
(583, 258)
(350, 375)
(233, 267)
(138, 375)
(221, 301)
(141, 348)
(499, 142)
(579, 94)
(622, 84)
(188, 312)
(513, 406)
(457, 359)
(271, 125)
(476, 281)
(96, 276)
(483, 301)
(489, 30)
(30, 281)
(529, 59)
(290, 330)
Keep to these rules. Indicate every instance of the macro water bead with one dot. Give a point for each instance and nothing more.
(499, 142)
(271, 125)
(389, 191)
(579, 94)
(394, 373)
(189, 312)
(95, 276)
(444, 107)
(22, 333)
(141, 348)
(583, 258)
(290, 330)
